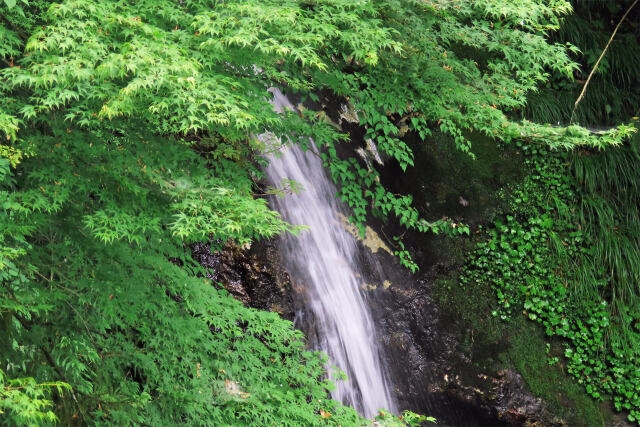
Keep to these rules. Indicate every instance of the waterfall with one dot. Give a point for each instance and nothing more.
(323, 259)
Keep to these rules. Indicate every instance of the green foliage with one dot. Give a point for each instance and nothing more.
(126, 134)
(463, 67)
(139, 338)
(580, 280)
(519, 345)
(407, 418)
(613, 94)
(569, 269)
(23, 402)
(137, 148)
(546, 377)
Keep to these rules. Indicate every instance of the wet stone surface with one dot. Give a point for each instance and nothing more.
(428, 366)
(253, 276)
(430, 370)
(430, 373)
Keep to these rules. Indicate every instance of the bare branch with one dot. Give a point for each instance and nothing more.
(595, 67)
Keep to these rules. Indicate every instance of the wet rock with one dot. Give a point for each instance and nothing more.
(620, 420)
(252, 275)
(348, 113)
(430, 370)
(371, 240)
(515, 404)
(505, 395)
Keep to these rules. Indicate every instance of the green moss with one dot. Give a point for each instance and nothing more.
(447, 177)
(564, 396)
(518, 344)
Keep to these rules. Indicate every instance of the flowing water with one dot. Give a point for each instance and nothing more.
(323, 259)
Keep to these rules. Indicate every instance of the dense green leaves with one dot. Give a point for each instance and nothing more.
(565, 258)
(91, 218)
(127, 131)
(579, 278)
(22, 401)
(613, 93)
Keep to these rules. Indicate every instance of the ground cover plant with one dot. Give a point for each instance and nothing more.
(566, 254)
(553, 263)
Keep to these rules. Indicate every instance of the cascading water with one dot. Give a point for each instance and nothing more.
(323, 258)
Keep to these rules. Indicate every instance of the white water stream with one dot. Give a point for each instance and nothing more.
(323, 259)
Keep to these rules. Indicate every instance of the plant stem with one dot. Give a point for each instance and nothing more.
(595, 67)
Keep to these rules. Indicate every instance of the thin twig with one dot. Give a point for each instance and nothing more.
(37, 385)
(595, 67)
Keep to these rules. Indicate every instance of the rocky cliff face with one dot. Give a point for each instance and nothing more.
(432, 369)
(430, 373)
(254, 276)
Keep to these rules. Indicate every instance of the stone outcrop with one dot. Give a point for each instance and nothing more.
(430, 374)
(254, 276)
